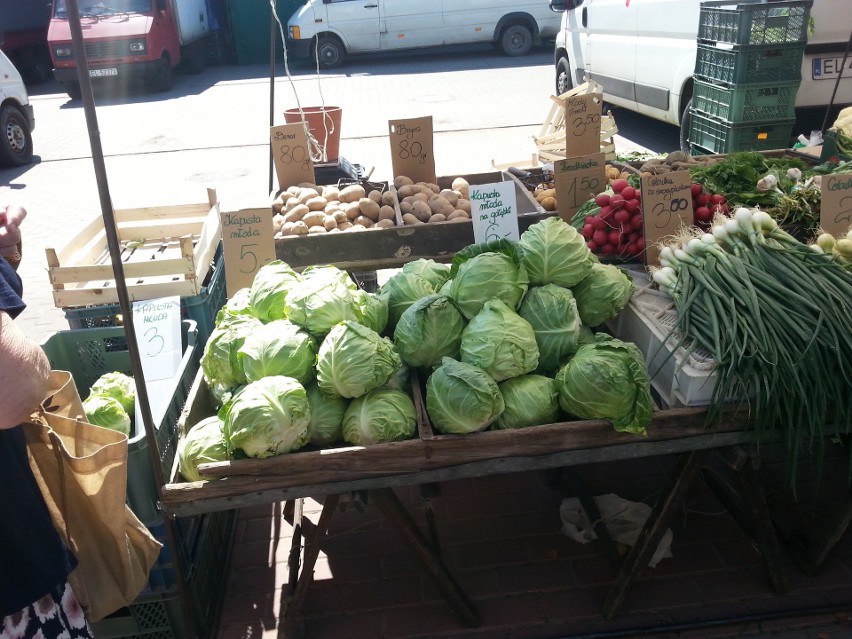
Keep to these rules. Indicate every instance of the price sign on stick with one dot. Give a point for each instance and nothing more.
(578, 180)
(291, 154)
(494, 211)
(835, 212)
(583, 124)
(248, 241)
(666, 206)
(411, 144)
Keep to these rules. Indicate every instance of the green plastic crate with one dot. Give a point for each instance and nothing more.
(749, 64)
(719, 137)
(89, 353)
(754, 22)
(746, 103)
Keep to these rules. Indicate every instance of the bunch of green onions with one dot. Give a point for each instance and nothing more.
(777, 318)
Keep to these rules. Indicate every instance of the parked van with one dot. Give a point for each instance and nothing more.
(643, 54)
(16, 117)
(329, 30)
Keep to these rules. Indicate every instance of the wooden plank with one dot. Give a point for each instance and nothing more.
(197, 210)
(95, 296)
(103, 274)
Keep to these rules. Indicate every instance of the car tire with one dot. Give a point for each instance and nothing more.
(563, 76)
(73, 90)
(329, 52)
(164, 76)
(16, 142)
(685, 122)
(516, 39)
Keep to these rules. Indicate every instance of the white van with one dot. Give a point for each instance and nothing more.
(16, 117)
(643, 53)
(329, 30)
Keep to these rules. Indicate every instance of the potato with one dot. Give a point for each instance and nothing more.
(331, 193)
(385, 224)
(352, 210)
(544, 194)
(408, 190)
(405, 207)
(410, 220)
(459, 219)
(386, 213)
(316, 230)
(277, 221)
(345, 226)
(376, 196)
(357, 227)
(548, 203)
(457, 214)
(300, 228)
(314, 218)
(312, 186)
(277, 205)
(317, 203)
(461, 185)
(369, 208)
(438, 217)
(286, 228)
(307, 194)
(352, 193)
(401, 180)
(388, 199)
(451, 196)
(420, 197)
(329, 222)
(293, 190)
(421, 211)
(363, 220)
(434, 188)
(291, 204)
(339, 216)
(334, 230)
(296, 213)
(463, 205)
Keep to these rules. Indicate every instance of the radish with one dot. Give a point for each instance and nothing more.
(640, 244)
(607, 249)
(628, 192)
(619, 184)
(598, 224)
(592, 246)
(636, 222)
(602, 200)
(614, 237)
(632, 237)
(718, 199)
(631, 249)
(703, 214)
(633, 206)
(622, 216)
(588, 231)
(702, 200)
(600, 237)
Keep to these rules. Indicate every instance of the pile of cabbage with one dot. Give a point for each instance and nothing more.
(111, 402)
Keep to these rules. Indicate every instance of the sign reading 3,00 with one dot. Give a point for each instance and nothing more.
(666, 206)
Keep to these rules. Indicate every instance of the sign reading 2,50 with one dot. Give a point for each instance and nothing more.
(663, 211)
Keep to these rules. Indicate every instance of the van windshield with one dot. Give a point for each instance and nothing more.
(89, 8)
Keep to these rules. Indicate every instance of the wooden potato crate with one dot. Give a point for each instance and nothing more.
(165, 250)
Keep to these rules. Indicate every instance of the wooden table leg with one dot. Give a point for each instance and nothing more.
(389, 504)
(661, 516)
(290, 616)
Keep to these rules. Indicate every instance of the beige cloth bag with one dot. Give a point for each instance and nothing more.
(82, 472)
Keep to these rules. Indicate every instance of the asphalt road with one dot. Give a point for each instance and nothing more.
(211, 130)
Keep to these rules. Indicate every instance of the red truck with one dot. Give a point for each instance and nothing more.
(23, 37)
(130, 40)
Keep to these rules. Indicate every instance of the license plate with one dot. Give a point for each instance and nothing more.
(829, 68)
(101, 73)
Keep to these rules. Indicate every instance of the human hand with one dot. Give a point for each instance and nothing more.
(11, 218)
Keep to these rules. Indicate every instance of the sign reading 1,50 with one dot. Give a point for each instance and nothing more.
(581, 188)
(663, 211)
(581, 123)
(411, 149)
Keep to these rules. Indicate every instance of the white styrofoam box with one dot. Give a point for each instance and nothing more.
(684, 377)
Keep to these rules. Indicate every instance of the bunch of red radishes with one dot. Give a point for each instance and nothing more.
(616, 229)
(706, 205)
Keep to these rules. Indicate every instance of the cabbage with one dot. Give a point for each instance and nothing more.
(373, 310)
(267, 417)
(552, 313)
(602, 294)
(500, 342)
(326, 416)
(279, 348)
(107, 412)
(220, 360)
(382, 415)
(429, 330)
(607, 380)
(530, 400)
(238, 305)
(401, 291)
(118, 386)
(462, 398)
(586, 336)
(446, 289)
(354, 359)
(433, 272)
(401, 379)
(325, 297)
(203, 444)
(555, 253)
(269, 290)
(487, 275)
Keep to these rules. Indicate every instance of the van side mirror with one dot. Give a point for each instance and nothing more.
(564, 5)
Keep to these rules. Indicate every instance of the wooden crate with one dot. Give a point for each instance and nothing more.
(165, 250)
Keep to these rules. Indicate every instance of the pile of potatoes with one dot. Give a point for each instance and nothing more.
(309, 209)
(426, 203)
(545, 193)
(675, 161)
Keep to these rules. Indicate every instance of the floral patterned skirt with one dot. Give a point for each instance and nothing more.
(56, 615)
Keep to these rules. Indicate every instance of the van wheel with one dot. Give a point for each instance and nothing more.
(329, 52)
(16, 145)
(73, 90)
(516, 40)
(685, 123)
(563, 76)
(164, 76)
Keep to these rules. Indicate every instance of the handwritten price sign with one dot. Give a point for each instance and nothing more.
(412, 148)
(248, 242)
(157, 324)
(494, 211)
(583, 124)
(666, 206)
(835, 213)
(578, 180)
(290, 154)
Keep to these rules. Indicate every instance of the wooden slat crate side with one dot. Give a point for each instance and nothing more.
(67, 298)
(161, 213)
(177, 269)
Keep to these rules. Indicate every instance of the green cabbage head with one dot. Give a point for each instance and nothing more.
(485, 276)
(118, 386)
(429, 330)
(530, 400)
(382, 415)
(220, 361)
(107, 412)
(279, 348)
(462, 398)
(500, 342)
(552, 312)
(401, 291)
(267, 417)
(269, 290)
(326, 416)
(433, 272)
(373, 310)
(203, 444)
(603, 294)
(325, 297)
(238, 304)
(354, 359)
(555, 253)
(607, 380)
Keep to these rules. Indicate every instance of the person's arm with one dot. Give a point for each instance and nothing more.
(24, 371)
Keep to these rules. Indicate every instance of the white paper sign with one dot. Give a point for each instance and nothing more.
(494, 211)
(157, 324)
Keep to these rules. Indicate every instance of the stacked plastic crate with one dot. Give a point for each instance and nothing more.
(747, 73)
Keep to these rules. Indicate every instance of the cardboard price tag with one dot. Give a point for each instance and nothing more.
(157, 324)
(248, 242)
(412, 148)
(291, 154)
(494, 211)
(835, 212)
(577, 180)
(583, 124)
(666, 206)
